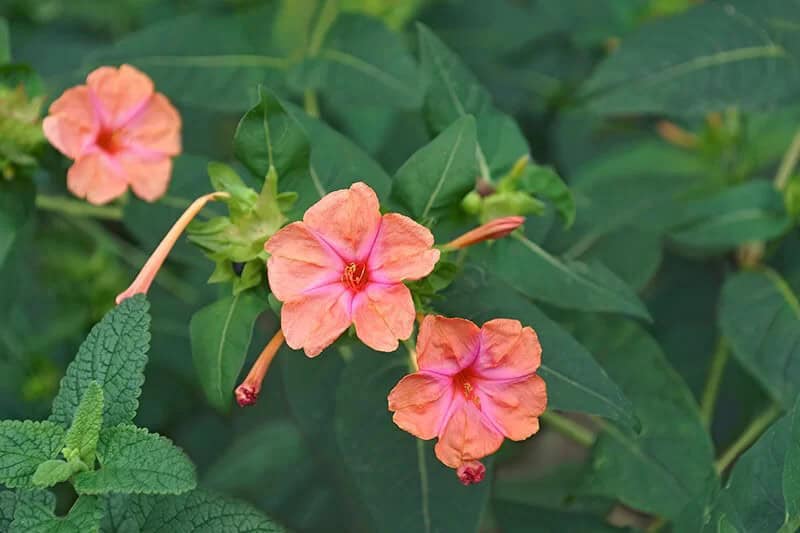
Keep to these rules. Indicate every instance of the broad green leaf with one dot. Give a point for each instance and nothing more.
(711, 57)
(531, 270)
(38, 517)
(575, 382)
(380, 457)
(221, 334)
(544, 182)
(760, 316)
(133, 460)
(24, 445)
(81, 438)
(113, 355)
(761, 492)
(634, 255)
(361, 62)
(519, 518)
(10, 500)
(16, 207)
(215, 62)
(52, 472)
(439, 174)
(647, 470)
(749, 212)
(501, 141)
(194, 512)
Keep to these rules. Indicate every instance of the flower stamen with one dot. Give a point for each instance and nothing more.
(354, 276)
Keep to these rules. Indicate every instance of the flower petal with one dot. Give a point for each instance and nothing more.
(315, 321)
(514, 406)
(94, 177)
(156, 129)
(347, 219)
(72, 125)
(149, 179)
(507, 350)
(402, 250)
(466, 436)
(446, 345)
(119, 93)
(299, 262)
(419, 402)
(383, 314)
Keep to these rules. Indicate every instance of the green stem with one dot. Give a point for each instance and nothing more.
(711, 390)
(68, 206)
(748, 437)
(311, 103)
(568, 428)
(791, 526)
(788, 163)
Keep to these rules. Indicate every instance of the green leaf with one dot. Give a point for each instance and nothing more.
(5, 42)
(24, 445)
(711, 57)
(439, 174)
(760, 316)
(518, 518)
(575, 382)
(379, 455)
(566, 283)
(38, 517)
(215, 62)
(361, 62)
(646, 470)
(195, 512)
(10, 500)
(16, 207)
(133, 460)
(545, 183)
(761, 493)
(82, 435)
(52, 472)
(221, 334)
(751, 211)
(113, 355)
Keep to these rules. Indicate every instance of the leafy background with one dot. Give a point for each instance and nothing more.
(668, 120)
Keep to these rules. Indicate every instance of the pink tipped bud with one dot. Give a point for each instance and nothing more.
(148, 273)
(496, 229)
(247, 393)
(674, 134)
(471, 472)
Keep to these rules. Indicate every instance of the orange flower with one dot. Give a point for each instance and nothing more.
(345, 264)
(496, 229)
(474, 387)
(119, 131)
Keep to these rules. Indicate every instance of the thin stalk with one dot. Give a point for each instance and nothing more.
(748, 437)
(788, 163)
(709, 399)
(68, 206)
(311, 103)
(568, 428)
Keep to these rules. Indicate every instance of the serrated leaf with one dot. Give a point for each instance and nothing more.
(195, 512)
(24, 445)
(133, 460)
(378, 455)
(439, 174)
(361, 62)
(575, 382)
(645, 469)
(10, 500)
(38, 517)
(711, 57)
(82, 435)
(16, 207)
(113, 355)
(220, 335)
(530, 269)
(52, 472)
(760, 317)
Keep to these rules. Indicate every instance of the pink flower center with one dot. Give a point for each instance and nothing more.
(355, 276)
(462, 382)
(109, 141)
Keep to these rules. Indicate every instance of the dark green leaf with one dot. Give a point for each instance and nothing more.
(5, 42)
(221, 334)
(760, 317)
(545, 183)
(113, 355)
(38, 517)
(519, 518)
(16, 207)
(133, 460)
(438, 176)
(24, 445)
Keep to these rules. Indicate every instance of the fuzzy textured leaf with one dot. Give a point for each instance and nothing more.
(37, 517)
(24, 445)
(84, 432)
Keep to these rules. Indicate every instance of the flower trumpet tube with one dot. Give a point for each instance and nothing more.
(153, 264)
(496, 229)
(247, 393)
